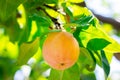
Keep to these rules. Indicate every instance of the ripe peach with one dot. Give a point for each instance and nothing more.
(60, 50)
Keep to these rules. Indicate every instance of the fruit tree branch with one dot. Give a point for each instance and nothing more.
(111, 21)
(104, 19)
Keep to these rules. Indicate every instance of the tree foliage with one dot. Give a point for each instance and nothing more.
(24, 25)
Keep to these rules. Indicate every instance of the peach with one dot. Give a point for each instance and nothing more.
(60, 50)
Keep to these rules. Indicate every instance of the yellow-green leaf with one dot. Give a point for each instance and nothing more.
(27, 50)
(97, 32)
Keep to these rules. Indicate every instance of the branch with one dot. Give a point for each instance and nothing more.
(111, 21)
(117, 55)
(103, 19)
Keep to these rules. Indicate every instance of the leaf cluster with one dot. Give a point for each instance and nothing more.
(26, 24)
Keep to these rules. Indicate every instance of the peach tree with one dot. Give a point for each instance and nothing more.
(25, 25)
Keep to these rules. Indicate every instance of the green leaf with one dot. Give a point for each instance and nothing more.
(76, 35)
(97, 44)
(43, 21)
(8, 7)
(98, 58)
(55, 75)
(51, 1)
(109, 56)
(86, 60)
(67, 10)
(72, 73)
(84, 21)
(96, 32)
(97, 55)
(13, 30)
(88, 76)
(7, 67)
(26, 30)
(94, 22)
(105, 63)
(42, 66)
(27, 50)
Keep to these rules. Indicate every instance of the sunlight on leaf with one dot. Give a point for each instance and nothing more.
(22, 19)
(42, 78)
(38, 55)
(52, 13)
(79, 10)
(33, 30)
(3, 42)
(108, 28)
(96, 32)
(12, 50)
(7, 48)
